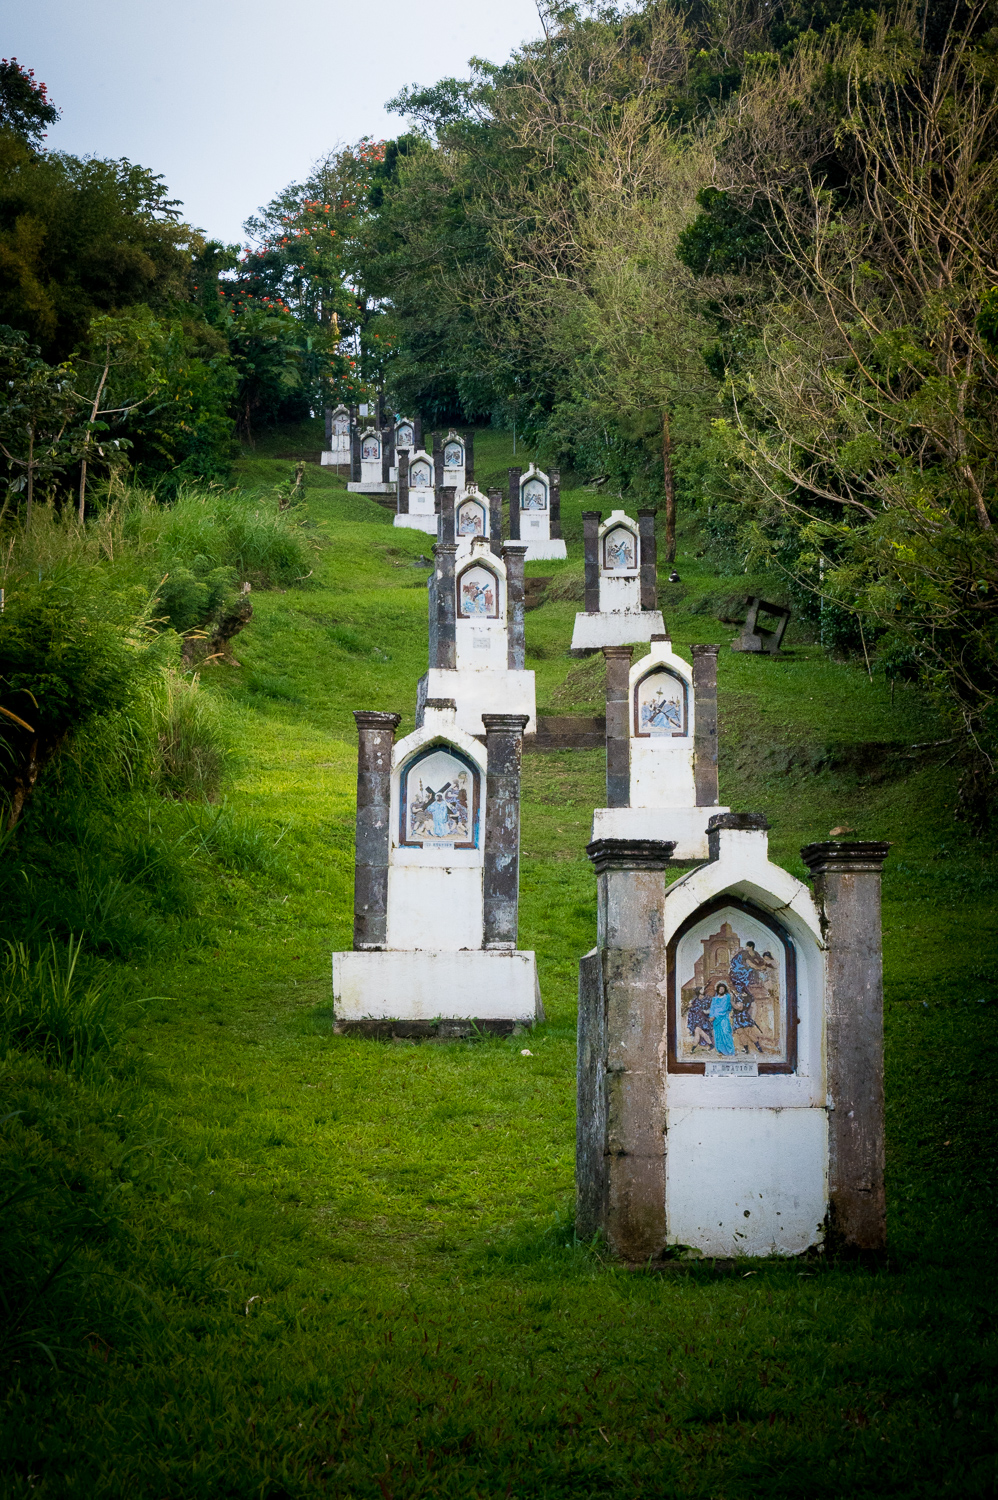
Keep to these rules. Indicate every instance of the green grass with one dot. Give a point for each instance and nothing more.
(300, 1264)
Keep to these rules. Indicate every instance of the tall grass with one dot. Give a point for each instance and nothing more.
(50, 1005)
(191, 745)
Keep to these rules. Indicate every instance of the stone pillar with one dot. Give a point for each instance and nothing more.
(847, 892)
(649, 559)
(555, 503)
(618, 726)
(438, 461)
(403, 486)
(495, 521)
(590, 538)
(514, 504)
(387, 435)
(620, 1140)
(469, 457)
(513, 555)
(376, 735)
(705, 724)
(445, 640)
(501, 876)
(328, 414)
(355, 450)
(445, 497)
(417, 433)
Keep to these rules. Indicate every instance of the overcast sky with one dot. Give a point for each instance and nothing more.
(232, 101)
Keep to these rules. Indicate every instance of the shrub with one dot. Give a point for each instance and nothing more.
(191, 747)
(51, 1006)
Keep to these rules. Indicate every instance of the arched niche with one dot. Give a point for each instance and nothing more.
(732, 990)
(439, 799)
(421, 474)
(370, 447)
(620, 549)
(477, 593)
(534, 492)
(453, 453)
(660, 705)
(404, 434)
(471, 517)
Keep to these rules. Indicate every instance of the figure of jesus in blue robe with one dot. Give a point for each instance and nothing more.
(720, 1015)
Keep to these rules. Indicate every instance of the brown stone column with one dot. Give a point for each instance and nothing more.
(618, 737)
(555, 503)
(501, 875)
(438, 460)
(445, 637)
(590, 537)
(355, 450)
(705, 724)
(620, 1139)
(445, 496)
(513, 555)
(376, 735)
(328, 414)
(514, 504)
(387, 435)
(847, 891)
(403, 485)
(417, 434)
(469, 457)
(649, 559)
(495, 521)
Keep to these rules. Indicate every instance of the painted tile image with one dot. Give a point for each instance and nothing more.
(403, 437)
(478, 594)
(371, 449)
(420, 477)
(453, 455)
(534, 495)
(438, 802)
(732, 991)
(471, 519)
(660, 705)
(619, 550)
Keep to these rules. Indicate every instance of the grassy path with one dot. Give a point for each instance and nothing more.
(348, 1268)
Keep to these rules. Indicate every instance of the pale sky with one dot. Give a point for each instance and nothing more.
(230, 102)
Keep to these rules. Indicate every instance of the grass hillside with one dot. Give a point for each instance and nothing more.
(257, 1260)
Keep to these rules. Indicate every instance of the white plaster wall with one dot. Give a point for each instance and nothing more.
(433, 904)
(427, 524)
(620, 593)
(746, 1181)
(789, 1156)
(662, 765)
(550, 551)
(481, 646)
(480, 985)
(596, 630)
(685, 826)
(370, 471)
(485, 692)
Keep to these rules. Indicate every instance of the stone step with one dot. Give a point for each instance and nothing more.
(568, 732)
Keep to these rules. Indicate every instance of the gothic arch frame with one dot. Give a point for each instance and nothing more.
(409, 765)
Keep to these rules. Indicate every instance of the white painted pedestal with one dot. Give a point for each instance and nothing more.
(475, 693)
(619, 628)
(426, 985)
(687, 826)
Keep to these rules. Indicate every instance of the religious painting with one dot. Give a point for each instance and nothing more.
(403, 435)
(420, 477)
(370, 449)
(660, 704)
(471, 518)
(478, 594)
(534, 495)
(732, 982)
(438, 800)
(453, 455)
(620, 550)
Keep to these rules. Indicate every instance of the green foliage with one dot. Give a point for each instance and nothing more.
(38, 406)
(50, 1004)
(721, 239)
(190, 743)
(25, 107)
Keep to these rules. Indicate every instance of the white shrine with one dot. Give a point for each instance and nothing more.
(337, 450)
(373, 465)
(417, 496)
(661, 755)
(536, 518)
(453, 453)
(621, 582)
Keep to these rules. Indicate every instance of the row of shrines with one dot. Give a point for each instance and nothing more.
(730, 1053)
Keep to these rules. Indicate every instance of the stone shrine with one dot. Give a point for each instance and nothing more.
(661, 747)
(730, 1083)
(535, 513)
(338, 424)
(472, 518)
(371, 461)
(453, 459)
(621, 582)
(477, 650)
(436, 886)
(417, 501)
(407, 436)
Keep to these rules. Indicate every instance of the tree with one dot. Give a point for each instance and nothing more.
(38, 406)
(25, 107)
